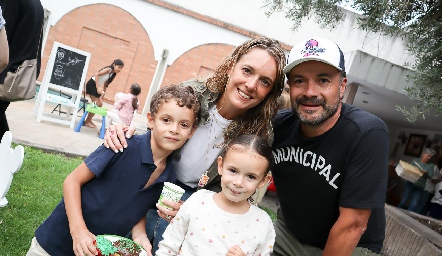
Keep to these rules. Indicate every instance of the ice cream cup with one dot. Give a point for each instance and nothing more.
(170, 192)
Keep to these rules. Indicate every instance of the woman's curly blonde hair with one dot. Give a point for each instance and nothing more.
(256, 120)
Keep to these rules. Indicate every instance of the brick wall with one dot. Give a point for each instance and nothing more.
(109, 32)
(200, 61)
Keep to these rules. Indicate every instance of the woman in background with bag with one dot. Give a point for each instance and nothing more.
(97, 85)
(24, 21)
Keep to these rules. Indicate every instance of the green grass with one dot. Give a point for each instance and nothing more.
(35, 190)
(270, 212)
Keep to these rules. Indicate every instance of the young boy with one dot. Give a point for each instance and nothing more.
(111, 193)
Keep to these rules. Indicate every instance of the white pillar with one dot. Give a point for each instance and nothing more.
(350, 92)
(156, 81)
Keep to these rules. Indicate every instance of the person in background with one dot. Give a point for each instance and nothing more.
(4, 52)
(416, 190)
(125, 104)
(24, 23)
(436, 201)
(97, 85)
(110, 193)
(239, 98)
(331, 161)
(226, 222)
(429, 191)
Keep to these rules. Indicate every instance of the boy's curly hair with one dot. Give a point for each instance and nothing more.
(183, 95)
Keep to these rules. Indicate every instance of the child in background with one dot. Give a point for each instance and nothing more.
(111, 193)
(125, 105)
(226, 222)
(97, 85)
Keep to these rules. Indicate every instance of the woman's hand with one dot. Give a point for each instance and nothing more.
(83, 243)
(115, 138)
(167, 214)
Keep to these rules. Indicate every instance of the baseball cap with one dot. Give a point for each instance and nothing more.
(316, 48)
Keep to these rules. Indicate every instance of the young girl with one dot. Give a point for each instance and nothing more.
(125, 105)
(97, 85)
(226, 222)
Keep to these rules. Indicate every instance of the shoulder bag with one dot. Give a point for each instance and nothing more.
(20, 84)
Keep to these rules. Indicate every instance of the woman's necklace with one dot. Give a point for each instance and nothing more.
(213, 119)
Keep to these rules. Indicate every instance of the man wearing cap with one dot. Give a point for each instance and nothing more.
(330, 161)
(416, 190)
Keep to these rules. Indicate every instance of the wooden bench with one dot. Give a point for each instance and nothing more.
(405, 235)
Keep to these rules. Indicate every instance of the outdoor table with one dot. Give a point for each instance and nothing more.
(96, 110)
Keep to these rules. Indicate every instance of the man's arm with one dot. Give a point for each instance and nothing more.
(346, 232)
(82, 238)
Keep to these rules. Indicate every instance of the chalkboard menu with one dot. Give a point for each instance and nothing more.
(68, 68)
(65, 72)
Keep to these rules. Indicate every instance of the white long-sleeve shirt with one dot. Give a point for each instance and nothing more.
(202, 228)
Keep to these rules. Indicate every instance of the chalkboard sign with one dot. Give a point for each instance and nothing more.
(68, 68)
(65, 73)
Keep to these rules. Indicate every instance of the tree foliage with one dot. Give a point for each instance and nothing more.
(418, 21)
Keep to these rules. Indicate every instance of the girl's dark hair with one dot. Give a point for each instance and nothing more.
(253, 142)
(117, 62)
(135, 89)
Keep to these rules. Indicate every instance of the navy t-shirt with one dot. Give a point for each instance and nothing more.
(114, 201)
(346, 166)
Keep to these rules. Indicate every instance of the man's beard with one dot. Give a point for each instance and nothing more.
(328, 109)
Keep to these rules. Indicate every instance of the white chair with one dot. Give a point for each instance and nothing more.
(10, 162)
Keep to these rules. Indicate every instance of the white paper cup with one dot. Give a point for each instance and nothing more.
(170, 192)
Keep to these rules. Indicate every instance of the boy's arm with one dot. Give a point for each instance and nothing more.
(82, 238)
(139, 235)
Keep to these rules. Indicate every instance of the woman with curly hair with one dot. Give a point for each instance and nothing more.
(239, 98)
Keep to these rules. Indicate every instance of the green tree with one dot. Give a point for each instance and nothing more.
(420, 22)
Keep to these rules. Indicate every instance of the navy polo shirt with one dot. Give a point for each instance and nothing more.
(115, 200)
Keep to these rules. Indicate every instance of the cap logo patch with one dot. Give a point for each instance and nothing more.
(312, 48)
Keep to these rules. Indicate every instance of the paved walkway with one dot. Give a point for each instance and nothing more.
(51, 136)
(58, 138)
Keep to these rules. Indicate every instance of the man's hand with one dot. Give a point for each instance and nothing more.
(235, 251)
(167, 214)
(115, 138)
